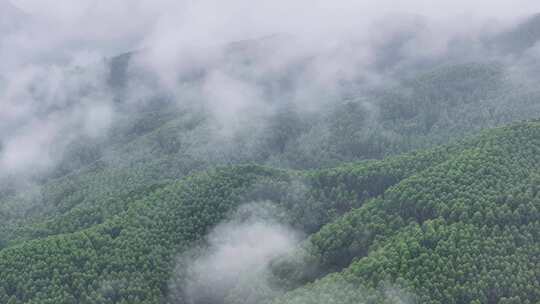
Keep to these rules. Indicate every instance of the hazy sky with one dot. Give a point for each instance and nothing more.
(135, 22)
(82, 31)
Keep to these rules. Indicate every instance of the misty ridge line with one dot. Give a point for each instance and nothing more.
(227, 75)
(204, 85)
(309, 75)
(232, 87)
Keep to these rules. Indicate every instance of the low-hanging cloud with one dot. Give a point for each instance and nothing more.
(233, 267)
(46, 108)
(241, 61)
(238, 60)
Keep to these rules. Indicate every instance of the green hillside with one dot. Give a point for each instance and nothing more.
(200, 152)
(462, 231)
(161, 142)
(453, 224)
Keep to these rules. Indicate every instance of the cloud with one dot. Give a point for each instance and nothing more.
(238, 61)
(312, 53)
(241, 62)
(234, 265)
(47, 107)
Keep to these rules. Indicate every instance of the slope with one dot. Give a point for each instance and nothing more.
(394, 222)
(162, 142)
(463, 231)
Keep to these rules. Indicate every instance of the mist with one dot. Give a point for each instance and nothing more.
(55, 64)
(106, 106)
(233, 264)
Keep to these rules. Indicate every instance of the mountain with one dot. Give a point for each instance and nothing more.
(454, 223)
(459, 231)
(519, 38)
(162, 142)
(420, 189)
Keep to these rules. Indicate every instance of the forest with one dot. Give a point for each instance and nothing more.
(258, 179)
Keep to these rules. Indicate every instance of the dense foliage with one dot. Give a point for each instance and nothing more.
(462, 231)
(425, 189)
(450, 224)
(159, 143)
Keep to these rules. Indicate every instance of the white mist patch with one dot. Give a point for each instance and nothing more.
(51, 53)
(45, 108)
(229, 100)
(234, 266)
(247, 247)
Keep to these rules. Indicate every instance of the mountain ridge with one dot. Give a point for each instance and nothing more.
(216, 188)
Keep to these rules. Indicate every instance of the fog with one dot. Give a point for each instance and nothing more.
(253, 82)
(54, 60)
(233, 265)
(52, 66)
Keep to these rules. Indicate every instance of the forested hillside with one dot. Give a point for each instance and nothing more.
(450, 224)
(171, 158)
(162, 143)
